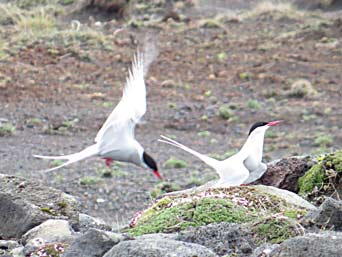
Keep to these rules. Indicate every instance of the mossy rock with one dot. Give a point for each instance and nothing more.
(233, 204)
(324, 177)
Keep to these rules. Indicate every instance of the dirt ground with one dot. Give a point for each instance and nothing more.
(57, 98)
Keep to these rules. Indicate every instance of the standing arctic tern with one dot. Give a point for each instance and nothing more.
(115, 140)
(243, 167)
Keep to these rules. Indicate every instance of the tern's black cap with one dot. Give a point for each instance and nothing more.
(256, 125)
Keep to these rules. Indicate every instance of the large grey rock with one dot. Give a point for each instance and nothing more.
(328, 244)
(223, 238)
(158, 248)
(93, 243)
(25, 204)
(328, 215)
(50, 231)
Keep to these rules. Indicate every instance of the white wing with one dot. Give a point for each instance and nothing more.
(131, 107)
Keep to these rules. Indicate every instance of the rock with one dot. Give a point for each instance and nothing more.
(289, 197)
(156, 236)
(25, 204)
(93, 243)
(86, 222)
(17, 252)
(264, 250)
(50, 231)
(285, 173)
(176, 212)
(327, 216)
(158, 248)
(328, 244)
(7, 245)
(223, 238)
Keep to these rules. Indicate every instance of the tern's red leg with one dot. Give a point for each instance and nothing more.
(109, 161)
(244, 185)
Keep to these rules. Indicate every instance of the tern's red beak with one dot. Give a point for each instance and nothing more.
(157, 174)
(274, 123)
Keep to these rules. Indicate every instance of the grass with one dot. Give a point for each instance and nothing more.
(174, 163)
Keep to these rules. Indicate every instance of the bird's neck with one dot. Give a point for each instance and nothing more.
(254, 145)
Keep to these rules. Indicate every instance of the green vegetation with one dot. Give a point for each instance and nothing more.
(89, 180)
(253, 104)
(318, 176)
(225, 112)
(174, 163)
(204, 133)
(245, 76)
(323, 140)
(164, 217)
(234, 204)
(275, 229)
(6, 129)
(164, 187)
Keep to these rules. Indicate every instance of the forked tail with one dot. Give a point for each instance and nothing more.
(210, 161)
(71, 158)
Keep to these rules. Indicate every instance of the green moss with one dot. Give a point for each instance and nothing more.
(316, 176)
(173, 163)
(275, 230)
(196, 213)
(234, 204)
(48, 210)
(312, 178)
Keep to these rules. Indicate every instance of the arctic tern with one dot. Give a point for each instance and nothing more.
(115, 140)
(243, 167)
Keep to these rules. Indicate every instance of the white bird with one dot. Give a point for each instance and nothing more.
(243, 167)
(115, 140)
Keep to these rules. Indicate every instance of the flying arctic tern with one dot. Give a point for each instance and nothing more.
(115, 140)
(243, 167)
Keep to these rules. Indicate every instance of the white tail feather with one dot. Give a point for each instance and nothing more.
(210, 161)
(72, 158)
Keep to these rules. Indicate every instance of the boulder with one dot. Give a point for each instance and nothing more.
(25, 204)
(86, 222)
(223, 238)
(158, 248)
(285, 173)
(328, 215)
(233, 204)
(93, 243)
(50, 231)
(328, 244)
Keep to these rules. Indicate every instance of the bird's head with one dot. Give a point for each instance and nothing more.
(262, 126)
(150, 163)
